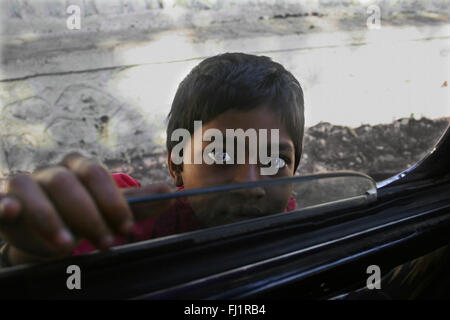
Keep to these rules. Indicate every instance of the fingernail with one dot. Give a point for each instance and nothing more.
(64, 237)
(127, 227)
(107, 242)
(6, 203)
(8, 207)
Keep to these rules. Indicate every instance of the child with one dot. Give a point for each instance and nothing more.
(47, 214)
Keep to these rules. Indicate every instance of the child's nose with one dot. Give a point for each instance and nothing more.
(246, 173)
(249, 173)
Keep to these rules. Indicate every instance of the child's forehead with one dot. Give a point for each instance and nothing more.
(256, 118)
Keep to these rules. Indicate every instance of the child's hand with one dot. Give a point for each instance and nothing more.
(46, 214)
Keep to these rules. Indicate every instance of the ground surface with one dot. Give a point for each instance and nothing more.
(106, 89)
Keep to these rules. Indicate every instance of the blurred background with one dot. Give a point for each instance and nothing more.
(99, 77)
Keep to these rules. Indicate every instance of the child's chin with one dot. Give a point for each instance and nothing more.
(241, 214)
(223, 218)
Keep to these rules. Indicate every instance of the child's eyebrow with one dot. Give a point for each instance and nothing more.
(285, 146)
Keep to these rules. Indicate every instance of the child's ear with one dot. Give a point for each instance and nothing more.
(175, 171)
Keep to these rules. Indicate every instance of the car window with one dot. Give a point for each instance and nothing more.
(100, 77)
(226, 204)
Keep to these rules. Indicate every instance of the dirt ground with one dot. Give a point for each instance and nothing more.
(37, 69)
(25, 35)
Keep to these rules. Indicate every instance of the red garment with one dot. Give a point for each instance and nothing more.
(180, 218)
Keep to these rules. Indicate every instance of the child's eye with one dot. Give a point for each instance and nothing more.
(279, 162)
(219, 157)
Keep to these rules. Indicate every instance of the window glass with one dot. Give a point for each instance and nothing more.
(224, 204)
(100, 77)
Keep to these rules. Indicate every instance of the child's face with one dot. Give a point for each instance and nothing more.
(222, 208)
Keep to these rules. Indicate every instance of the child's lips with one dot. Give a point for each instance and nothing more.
(246, 212)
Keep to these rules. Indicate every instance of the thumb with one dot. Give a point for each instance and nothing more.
(10, 208)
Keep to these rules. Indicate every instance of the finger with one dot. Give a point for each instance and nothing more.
(9, 209)
(104, 191)
(75, 206)
(37, 219)
(152, 208)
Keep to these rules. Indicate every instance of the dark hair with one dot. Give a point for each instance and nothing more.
(238, 81)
